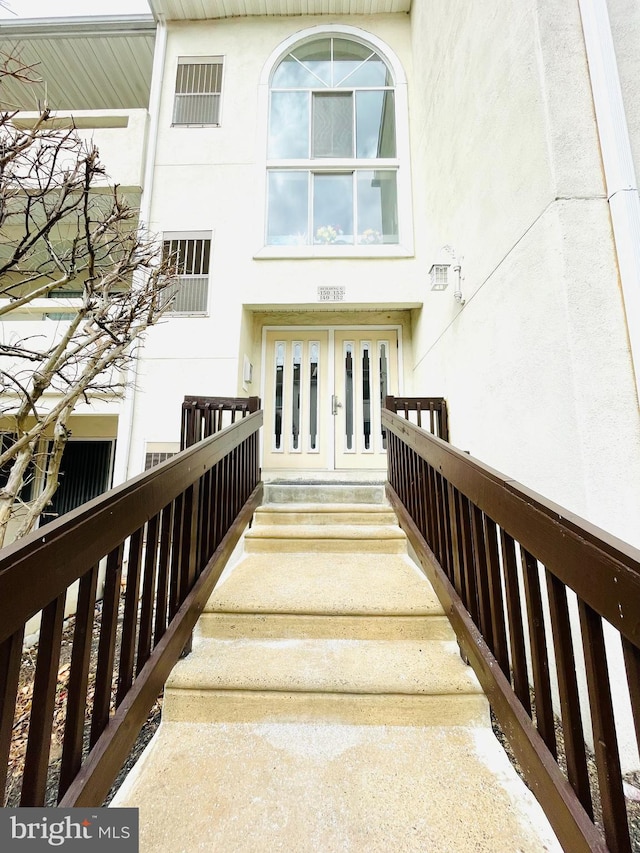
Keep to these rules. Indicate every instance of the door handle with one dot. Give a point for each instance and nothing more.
(335, 405)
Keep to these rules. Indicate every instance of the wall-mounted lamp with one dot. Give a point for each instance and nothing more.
(447, 267)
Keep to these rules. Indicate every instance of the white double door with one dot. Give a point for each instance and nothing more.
(323, 394)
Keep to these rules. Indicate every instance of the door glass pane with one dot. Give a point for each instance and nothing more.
(366, 395)
(314, 364)
(277, 427)
(289, 126)
(384, 384)
(348, 395)
(288, 208)
(332, 124)
(377, 207)
(375, 124)
(295, 416)
(333, 208)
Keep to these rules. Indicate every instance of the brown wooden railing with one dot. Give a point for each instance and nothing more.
(470, 528)
(165, 537)
(427, 412)
(203, 416)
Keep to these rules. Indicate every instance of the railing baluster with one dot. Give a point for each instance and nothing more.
(424, 499)
(130, 618)
(481, 572)
(572, 730)
(516, 629)
(78, 680)
(632, 664)
(447, 533)
(107, 644)
(456, 538)
(498, 627)
(539, 657)
(162, 600)
(614, 813)
(10, 657)
(176, 552)
(36, 763)
(148, 592)
(470, 582)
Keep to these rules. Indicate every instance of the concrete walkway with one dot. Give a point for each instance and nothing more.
(325, 706)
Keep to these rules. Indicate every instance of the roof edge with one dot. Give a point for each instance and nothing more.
(103, 25)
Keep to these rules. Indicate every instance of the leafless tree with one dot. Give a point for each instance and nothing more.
(63, 229)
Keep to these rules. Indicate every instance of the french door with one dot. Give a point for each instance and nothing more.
(323, 395)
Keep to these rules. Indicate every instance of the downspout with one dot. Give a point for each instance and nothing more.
(619, 172)
(125, 421)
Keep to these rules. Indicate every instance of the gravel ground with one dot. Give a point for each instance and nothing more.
(631, 780)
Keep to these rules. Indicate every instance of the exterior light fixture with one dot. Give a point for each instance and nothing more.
(439, 274)
(447, 267)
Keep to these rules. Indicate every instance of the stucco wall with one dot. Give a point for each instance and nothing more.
(213, 179)
(535, 365)
(624, 16)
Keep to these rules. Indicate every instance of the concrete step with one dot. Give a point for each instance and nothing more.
(329, 513)
(400, 682)
(358, 596)
(319, 493)
(314, 538)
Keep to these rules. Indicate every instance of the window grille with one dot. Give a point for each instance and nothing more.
(191, 256)
(152, 459)
(198, 88)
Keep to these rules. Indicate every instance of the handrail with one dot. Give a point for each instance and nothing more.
(202, 416)
(470, 527)
(433, 407)
(164, 537)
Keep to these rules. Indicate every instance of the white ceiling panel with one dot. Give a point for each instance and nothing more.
(202, 9)
(104, 64)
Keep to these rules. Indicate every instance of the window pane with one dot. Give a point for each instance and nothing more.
(332, 124)
(348, 56)
(377, 207)
(289, 125)
(316, 57)
(375, 124)
(291, 74)
(333, 208)
(288, 208)
(373, 72)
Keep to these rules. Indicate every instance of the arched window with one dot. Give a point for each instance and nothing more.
(332, 162)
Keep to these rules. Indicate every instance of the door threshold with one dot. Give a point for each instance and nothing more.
(344, 477)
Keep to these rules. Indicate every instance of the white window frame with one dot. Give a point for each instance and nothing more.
(405, 245)
(194, 61)
(170, 236)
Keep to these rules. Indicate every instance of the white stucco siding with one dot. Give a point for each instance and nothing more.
(624, 16)
(536, 365)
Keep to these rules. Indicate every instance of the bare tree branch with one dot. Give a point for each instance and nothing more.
(63, 229)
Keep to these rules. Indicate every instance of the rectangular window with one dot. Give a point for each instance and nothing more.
(198, 89)
(190, 255)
